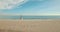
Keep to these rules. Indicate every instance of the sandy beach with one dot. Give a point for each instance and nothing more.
(29, 25)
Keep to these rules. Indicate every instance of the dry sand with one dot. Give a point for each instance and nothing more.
(29, 26)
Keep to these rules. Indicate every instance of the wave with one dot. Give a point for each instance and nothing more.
(30, 17)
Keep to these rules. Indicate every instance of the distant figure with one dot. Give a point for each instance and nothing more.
(21, 18)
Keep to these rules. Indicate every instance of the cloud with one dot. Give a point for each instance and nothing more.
(10, 4)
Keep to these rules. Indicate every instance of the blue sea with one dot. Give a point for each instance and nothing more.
(30, 17)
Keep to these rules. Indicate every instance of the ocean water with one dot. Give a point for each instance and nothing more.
(30, 17)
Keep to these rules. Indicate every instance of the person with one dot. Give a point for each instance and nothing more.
(20, 17)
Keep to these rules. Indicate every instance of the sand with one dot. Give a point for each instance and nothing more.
(29, 25)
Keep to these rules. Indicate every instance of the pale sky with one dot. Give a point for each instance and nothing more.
(29, 7)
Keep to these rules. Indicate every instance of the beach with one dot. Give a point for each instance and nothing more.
(29, 25)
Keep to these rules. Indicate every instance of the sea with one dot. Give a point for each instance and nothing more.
(29, 17)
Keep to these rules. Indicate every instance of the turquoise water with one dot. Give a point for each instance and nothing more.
(30, 17)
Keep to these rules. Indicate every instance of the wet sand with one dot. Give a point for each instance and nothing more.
(29, 25)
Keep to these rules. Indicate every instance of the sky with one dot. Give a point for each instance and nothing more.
(29, 7)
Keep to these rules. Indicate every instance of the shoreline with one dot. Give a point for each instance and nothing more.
(29, 19)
